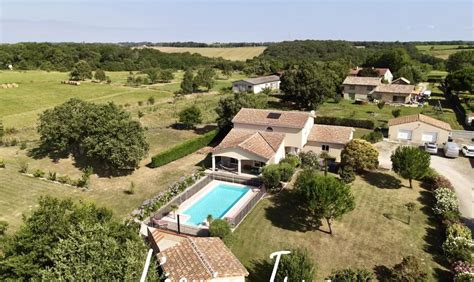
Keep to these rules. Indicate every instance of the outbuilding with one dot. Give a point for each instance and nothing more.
(418, 129)
(257, 84)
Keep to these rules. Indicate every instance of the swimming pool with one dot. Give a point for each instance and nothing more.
(216, 202)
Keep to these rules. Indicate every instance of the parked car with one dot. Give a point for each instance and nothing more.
(468, 150)
(451, 150)
(431, 148)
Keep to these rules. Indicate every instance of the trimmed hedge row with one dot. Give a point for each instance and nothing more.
(345, 122)
(183, 149)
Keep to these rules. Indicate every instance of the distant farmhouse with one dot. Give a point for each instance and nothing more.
(257, 84)
(384, 73)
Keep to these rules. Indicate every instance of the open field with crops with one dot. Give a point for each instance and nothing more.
(443, 51)
(39, 91)
(229, 53)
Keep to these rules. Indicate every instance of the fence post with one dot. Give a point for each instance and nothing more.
(179, 226)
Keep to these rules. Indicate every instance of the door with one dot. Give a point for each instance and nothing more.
(429, 137)
(404, 134)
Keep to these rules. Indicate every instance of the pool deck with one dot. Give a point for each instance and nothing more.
(201, 193)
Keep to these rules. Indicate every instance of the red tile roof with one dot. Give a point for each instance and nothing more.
(420, 118)
(330, 134)
(264, 117)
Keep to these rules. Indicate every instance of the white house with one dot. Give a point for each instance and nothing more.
(262, 137)
(257, 84)
(384, 73)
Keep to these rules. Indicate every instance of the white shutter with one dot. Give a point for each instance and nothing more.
(404, 134)
(429, 136)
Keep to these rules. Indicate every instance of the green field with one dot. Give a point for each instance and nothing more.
(229, 53)
(441, 51)
(39, 90)
(365, 238)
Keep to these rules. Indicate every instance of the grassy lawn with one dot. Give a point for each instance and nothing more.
(364, 238)
(347, 109)
(229, 53)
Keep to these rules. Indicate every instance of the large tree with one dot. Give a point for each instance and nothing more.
(413, 73)
(104, 134)
(325, 197)
(81, 71)
(100, 75)
(461, 80)
(61, 240)
(204, 78)
(297, 266)
(394, 59)
(308, 85)
(228, 107)
(410, 162)
(460, 60)
(360, 155)
(190, 116)
(187, 83)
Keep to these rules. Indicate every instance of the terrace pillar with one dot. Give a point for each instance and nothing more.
(213, 163)
(239, 164)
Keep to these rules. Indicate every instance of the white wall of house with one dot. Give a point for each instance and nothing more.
(229, 279)
(243, 86)
(389, 97)
(334, 150)
(359, 92)
(417, 133)
(388, 76)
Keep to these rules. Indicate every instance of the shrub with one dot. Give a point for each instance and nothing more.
(183, 149)
(286, 171)
(38, 173)
(293, 160)
(373, 137)
(64, 179)
(221, 228)
(23, 166)
(409, 269)
(458, 230)
(345, 122)
(396, 113)
(23, 145)
(347, 174)
(446, 204)
(459, 245)
(440, 181)
(2, 163)
(360, 155)
(381, 104)
(3, 227)
(349, 274)
(463, 271)
(52, 176)
(190, 116)
(131, 188)
(297, 266)
(151, 100)
(309, 159)
(85, 178)
(271, 176)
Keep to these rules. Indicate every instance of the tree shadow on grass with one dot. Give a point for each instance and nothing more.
(382, 272)
(261, 270)
(382, 180)
(287, 212)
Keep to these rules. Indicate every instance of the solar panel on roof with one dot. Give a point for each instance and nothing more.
(274, 115)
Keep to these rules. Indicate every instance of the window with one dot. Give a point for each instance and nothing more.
(274, 115)
(352, 87)
(325, 148)
(234, 161)
(269, 129)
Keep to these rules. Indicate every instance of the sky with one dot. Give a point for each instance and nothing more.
(234, 20)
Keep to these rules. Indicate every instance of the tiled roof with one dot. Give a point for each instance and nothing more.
(358, 80)
(268, 118)
(330, 134)
(201, 258)
(262, 144)
(401, 80)
(420, 118)
(395, 88)
(261, 79)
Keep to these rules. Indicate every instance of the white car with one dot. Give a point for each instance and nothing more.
(431, 148)
(468, 150)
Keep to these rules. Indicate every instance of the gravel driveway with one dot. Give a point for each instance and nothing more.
(459, 171)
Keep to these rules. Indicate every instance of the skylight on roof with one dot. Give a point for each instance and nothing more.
(274, 115)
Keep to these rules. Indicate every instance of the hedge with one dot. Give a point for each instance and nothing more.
(183, 149)
(345, 122)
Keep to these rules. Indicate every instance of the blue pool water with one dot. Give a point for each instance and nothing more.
(216, 202)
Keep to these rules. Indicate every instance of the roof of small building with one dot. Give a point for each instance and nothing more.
(359, 80)
(261, 79)
(201, 258)
(272, 118)
(401, 80)
(395, 88)
(421, 118)
(330, 134)
(262, 144)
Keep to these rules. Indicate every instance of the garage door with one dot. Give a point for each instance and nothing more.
(404, 134)
(429, 137)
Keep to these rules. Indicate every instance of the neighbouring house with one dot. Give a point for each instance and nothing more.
(329, 138)
(401, 80)
(394, 93)
(257, 84)
(262, 137)
(384, 73)
(418, 129)
(359, 88)
(184, 258)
